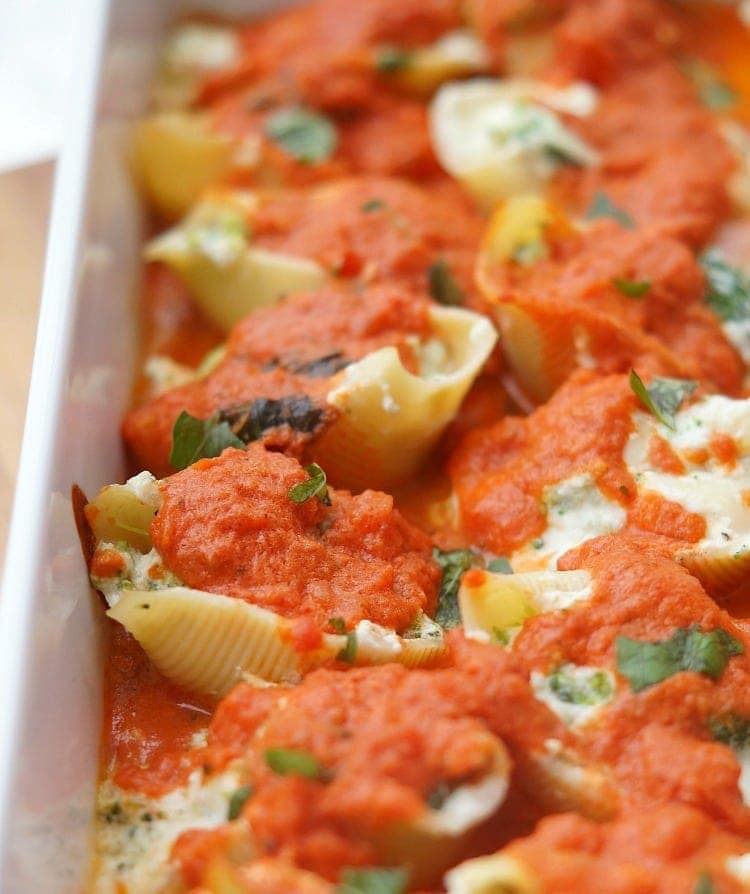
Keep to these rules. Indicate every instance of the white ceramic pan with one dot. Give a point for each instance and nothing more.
(50, 623)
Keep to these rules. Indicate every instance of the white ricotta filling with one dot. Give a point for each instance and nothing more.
(146, 489)
(738, 333)
(505, 137)
(577, 511)
(575, 693)
(739, 867)
(136, 575)
(461, 47)
(134, 834)
(201, 48)
(708, 488)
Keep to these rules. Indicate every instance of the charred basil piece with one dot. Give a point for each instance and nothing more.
(249, 421)
(319, 368)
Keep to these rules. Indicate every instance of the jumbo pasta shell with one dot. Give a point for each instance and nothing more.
(389, 418)
(124, 512)
(207, 642)
(558, 780)
(495, 873)
(720, 570)
(539, 348)
(228, 277)
(176, 156)
(441, 836)
(493, 603)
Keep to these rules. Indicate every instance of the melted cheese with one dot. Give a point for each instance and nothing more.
(503, 138)
(576, 511)
(134, 834)
(141, 572)
(709, 489)
(580, 698)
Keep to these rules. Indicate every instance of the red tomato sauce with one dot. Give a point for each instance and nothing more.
(227, 525)
(387, 739)
(264, 354)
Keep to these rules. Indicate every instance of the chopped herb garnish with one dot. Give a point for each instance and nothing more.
(194, 439)
(372, 205)
(291, 762)
(238, 800)
(713, 92)
(454, 563)
(602, 206)
(688, 649)
(704, 884)
(528, 253)
(501, 565)
(728, 288)
(663, 396)
(438, 796)
(591, 689)
(388, 59)
(338, 625)
(443, 287)
(632, 288)
(315, 486)
(305, 135)
(501, 636)
(373, 881)
(349, 652)
(318, 368)
(731, 730)
(249, 421)
(538, 543)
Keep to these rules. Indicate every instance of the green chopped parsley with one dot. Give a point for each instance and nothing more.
(454, 563)
(305, 135)
(632, 288)
(663, 396)
(442, 284)
(315, 486)
(292, 762)
(602, 206)
(373, 881)
(728, 292)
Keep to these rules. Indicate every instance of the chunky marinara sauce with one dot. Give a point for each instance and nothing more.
(615, 714)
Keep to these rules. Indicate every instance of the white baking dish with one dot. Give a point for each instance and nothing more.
(50, 623)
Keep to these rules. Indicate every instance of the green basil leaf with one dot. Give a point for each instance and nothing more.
(388, 59)
(292, 762)
(454, 563)
(373, 881)
(238, 800)
(501, 565)
(349, 652)
(728, 288)
(303, 134)
(663, 396)
(443, 287)
(315, 486)
(250, 420)
(732, 730)
(372, 205)
(593, 689)
(338, 625)
(632, 288)
(713, 92)
(602, 206)
(704, 884)
(688, 649)
(194, 439)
